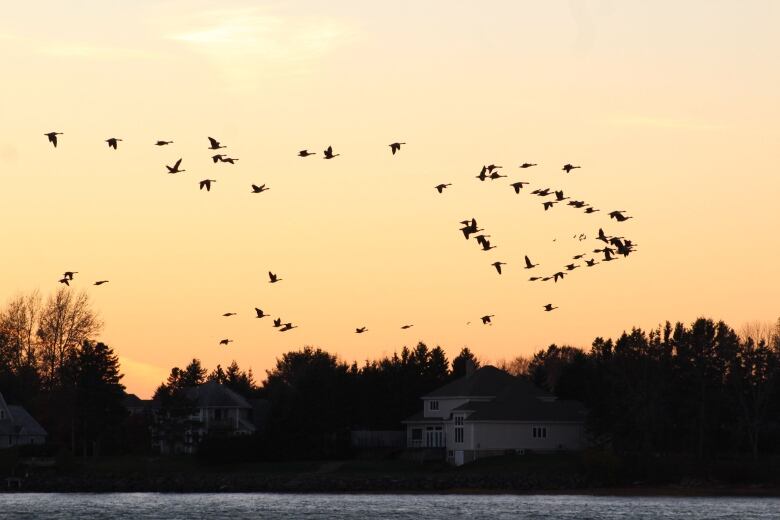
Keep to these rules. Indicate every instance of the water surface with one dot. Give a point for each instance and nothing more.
(234, 506)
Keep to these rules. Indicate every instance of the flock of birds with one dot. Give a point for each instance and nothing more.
(614, 245)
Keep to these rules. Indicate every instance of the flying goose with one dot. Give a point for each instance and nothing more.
(528, 264)
(163, 143)
(568, 167)
(259, 189)
(225, 341)
(329, 153)
(175, 167)
(100, 282)
(214, 144)
(112, 142)
(498, 265)
(440, 187)
(274, 278)
(394, 147)
(288, 326)
(206, 183)
(360, 330)
(305, 153)
(549, 307)
(260, 313)
(518, 185)
(53, 137)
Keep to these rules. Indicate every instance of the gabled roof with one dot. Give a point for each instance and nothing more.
(214, 395)
(487, 381)
(25, 423)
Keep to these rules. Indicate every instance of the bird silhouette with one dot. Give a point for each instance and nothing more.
(259, 189)
(559, 195)
(549, 307)
(288, 326)
(482, 174)
(216, 158)
(618, 215)
(69, 274)
(214, 144)
(100, 282)
(548, 204)
(528, 263)
(527, 165)
(305, 153)
(558, 275)
(602, 236)
(486, 319)
(53, 137)
(577, 203)
(277, 322)
(225, 341)
(534, 278)
(206, 183)
(229, 160)
(228, 314)
(360, 330)
(329, 153)
(260, 313)
(481, 239)
(492, 167)
(274, 278)
(542, 192)
(518, 185)
(440, 187)
(590, 210)
(591, 262)
(577, 257)
(470, 228)
(608, 254)
(394, 147)
(571, 267)
(175, 167)
(495, 175)
(64, 280)
(112, 142)
(404, 327)
(486, 245)
(163, 143)
(568, 167)
(498, 265)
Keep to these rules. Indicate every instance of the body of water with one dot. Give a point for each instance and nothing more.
(234, 506)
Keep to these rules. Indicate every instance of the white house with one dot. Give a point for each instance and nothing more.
(17, 427)
(490, 412)
(216, 410)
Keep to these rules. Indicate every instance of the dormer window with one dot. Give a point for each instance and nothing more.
(433, 405)
(539, 432)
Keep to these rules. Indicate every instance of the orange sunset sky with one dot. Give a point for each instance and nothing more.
(671, 108)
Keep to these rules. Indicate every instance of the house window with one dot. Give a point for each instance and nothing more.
(458, 428)
(433, 405)
(539, 432)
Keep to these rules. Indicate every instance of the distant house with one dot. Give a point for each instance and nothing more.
(137, 406)
(17, 427)
(215, 410)
(490, 412)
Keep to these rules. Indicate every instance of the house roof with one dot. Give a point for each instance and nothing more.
(485, 382)
(26, 424)
(529, 410)
(133, 401)
(214, 395)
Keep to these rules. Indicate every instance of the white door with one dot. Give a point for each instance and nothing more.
(458, 457)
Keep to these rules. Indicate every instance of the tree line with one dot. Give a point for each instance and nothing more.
(701, 390)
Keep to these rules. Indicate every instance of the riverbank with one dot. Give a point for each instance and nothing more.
(501, 475)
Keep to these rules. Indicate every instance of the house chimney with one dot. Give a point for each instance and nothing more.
(469, 367)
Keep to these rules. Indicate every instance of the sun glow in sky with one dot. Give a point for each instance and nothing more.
(672, 109)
